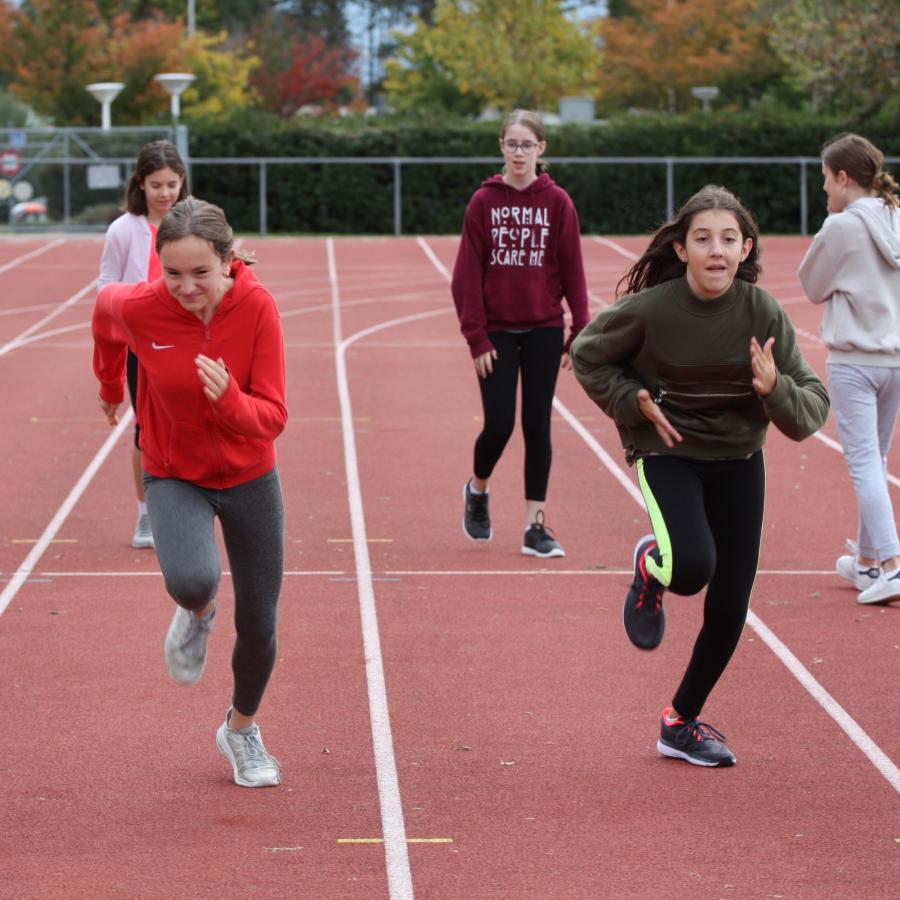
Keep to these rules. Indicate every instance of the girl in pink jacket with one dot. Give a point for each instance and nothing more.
(129, 255)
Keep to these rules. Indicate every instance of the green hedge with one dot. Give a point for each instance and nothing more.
(621, 199)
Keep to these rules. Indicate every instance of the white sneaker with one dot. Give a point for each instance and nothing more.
(185, 646)
(885, 589)
(252, 765)
(143, 536)
(850, 569)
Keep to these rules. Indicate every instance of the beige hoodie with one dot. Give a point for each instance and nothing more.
(854, 263)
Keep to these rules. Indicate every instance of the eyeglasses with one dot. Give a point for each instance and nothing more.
(514, 146)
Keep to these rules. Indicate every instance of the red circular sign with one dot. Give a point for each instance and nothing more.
(10, 162)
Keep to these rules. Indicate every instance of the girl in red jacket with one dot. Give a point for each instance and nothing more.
(519, 256)
(211, 401)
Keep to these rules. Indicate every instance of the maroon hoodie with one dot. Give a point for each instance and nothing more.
(519, 255)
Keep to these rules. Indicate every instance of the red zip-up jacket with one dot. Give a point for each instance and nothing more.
(183, 434)
(519, 255)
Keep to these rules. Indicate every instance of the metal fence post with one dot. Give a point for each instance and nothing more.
(398, 200)
(670, 188)
(263, 191)
(804, 201)
(67, 187)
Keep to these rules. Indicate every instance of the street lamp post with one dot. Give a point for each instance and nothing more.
(105, 92)
(175, 84)
(705, 94)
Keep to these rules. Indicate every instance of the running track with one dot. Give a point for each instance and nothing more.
(455, 721)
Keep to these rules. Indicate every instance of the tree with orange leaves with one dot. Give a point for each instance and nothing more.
(653, 55)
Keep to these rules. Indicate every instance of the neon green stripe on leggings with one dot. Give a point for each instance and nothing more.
(662, 573)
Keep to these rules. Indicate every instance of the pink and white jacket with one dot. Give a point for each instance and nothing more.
(126, 251)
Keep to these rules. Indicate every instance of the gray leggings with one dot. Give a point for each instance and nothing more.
(865, 401)
(252, 517)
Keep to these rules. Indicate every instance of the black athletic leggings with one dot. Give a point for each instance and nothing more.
(252, 519)
(538, 353)
(131, 372)
(707, 517)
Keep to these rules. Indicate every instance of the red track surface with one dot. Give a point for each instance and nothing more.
(521, 724)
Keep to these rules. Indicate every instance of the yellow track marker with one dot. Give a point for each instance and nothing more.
(368, 540)
(56, 420)
(35, 540)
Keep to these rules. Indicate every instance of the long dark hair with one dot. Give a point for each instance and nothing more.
(203, 220)
(153, 156)
(862, 161)
(659, 262)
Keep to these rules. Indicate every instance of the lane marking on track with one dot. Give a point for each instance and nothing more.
(381, 840)
(350, 540)
(27, 256)
(399, 875)
(21, 340)
(35, 540)
(50, 532)
(816, 339)
(847, 724)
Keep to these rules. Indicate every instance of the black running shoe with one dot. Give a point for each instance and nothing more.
(538, 540)
(694, 741)
(645, 620)
(477, 519)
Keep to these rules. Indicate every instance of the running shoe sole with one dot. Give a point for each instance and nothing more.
(675, 753)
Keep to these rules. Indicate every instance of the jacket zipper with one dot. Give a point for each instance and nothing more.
(661, 394)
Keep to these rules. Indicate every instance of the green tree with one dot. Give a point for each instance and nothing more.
(223, 78)
(845, 54)
(502, 53)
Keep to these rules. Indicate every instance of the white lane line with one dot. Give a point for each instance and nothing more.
(27, 566)
(808, 335)
(847, 724)
(26, 256)
(21, 340)
(396, 851)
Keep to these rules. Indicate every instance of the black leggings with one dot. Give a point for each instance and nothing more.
(538, 353)
(252, 517)
(131, 371)
(707, 517)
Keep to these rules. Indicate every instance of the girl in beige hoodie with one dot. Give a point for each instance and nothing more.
(853, 268)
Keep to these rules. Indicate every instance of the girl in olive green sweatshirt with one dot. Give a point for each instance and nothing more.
(692, 364)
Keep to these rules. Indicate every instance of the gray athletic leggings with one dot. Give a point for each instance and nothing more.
(182, 516)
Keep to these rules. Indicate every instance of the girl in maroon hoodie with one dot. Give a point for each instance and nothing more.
(211, 400)
(519, 256)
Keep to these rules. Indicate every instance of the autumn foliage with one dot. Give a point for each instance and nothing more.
(653, 57)
(302, 72)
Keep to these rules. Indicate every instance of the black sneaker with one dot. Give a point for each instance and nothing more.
(696, 742)
(477, 519)
(539, 542)
(645, 620)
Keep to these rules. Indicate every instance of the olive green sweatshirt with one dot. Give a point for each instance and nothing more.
(694, 357)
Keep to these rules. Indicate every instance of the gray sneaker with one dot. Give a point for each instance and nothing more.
(185, 646)
(253, 766)
(143, 536)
